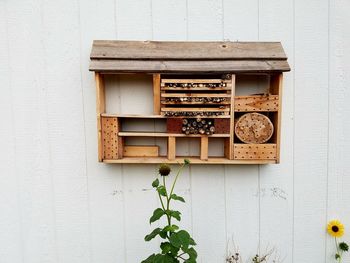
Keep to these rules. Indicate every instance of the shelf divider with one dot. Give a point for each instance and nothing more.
(232, 118)
(100, 109)
(171, 148)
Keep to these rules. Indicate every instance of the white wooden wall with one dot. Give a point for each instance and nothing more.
(58, 204)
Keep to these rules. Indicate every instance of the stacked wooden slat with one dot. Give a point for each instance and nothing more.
(195, 97)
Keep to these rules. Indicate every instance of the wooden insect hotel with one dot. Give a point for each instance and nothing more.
(230, 92)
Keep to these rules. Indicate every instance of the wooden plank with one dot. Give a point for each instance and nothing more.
(100, 108)
(114, 49)
(171, 148)
(195, 95)
(133, 116)
(204, 148)
(193, 160)
(156, 94)
(194, 103)
(189, 66)
(257, 103)
(141, 151)
(204, 81)
(112, 148)
(267, 151)
(232, 119)
(226, 109)
(164, 134)
(196, 88)
(276, 88)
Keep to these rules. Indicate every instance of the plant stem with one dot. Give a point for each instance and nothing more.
(167, 203)
(161, 201)
(337, 247)
(177, 175)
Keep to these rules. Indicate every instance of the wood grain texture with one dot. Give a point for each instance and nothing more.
(188, 66)
(242, 183)
(338, 182)
(276, 192)
(311, 57)
(105, 183)
(141, 151)
(163, 50)
(29, 114)
(156, 94)
(66, 134)
(205, 23)
(100, 109)
(11, 222)
(256, 103)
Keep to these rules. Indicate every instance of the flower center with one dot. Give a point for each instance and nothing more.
(335, 229)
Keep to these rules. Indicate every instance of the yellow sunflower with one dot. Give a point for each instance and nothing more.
(335, 228)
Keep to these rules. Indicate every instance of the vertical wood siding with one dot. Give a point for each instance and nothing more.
(58, 204)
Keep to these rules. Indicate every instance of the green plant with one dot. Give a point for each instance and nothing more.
(177, 245)
(336, 229)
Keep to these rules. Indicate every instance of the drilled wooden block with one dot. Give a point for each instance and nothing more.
(174, 125)
(256, 103)
(222, 126)
(254, 128)
(110, 142)
(255, 151)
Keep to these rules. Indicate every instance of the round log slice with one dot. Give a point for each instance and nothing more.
(253, 128)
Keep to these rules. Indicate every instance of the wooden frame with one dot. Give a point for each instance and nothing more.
(207, 96)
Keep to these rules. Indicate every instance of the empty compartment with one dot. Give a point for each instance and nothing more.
(252, 85)
(186, 146)
(143, 125)
(216, 147)
(129, 94)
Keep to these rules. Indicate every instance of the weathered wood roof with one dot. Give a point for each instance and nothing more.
(190, 57)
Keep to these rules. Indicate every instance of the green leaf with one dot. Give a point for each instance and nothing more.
(165, 247)
(171, 228)
(180, 239)
(155, 183)
(161, 190)
(192, 242)
(178, 198)
(165, 259)
(337, 256)
(344, 246)
(192, 253)
(153, 234)
(150, 259)
(186, 162)
(175, 214)
(157, 214)
(163, 234)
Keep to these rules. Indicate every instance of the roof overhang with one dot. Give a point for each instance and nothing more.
(112, 56)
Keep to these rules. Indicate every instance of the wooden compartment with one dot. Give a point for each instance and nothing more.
(255, 151)
(256, 103)
(220, 81)
(195, 97)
